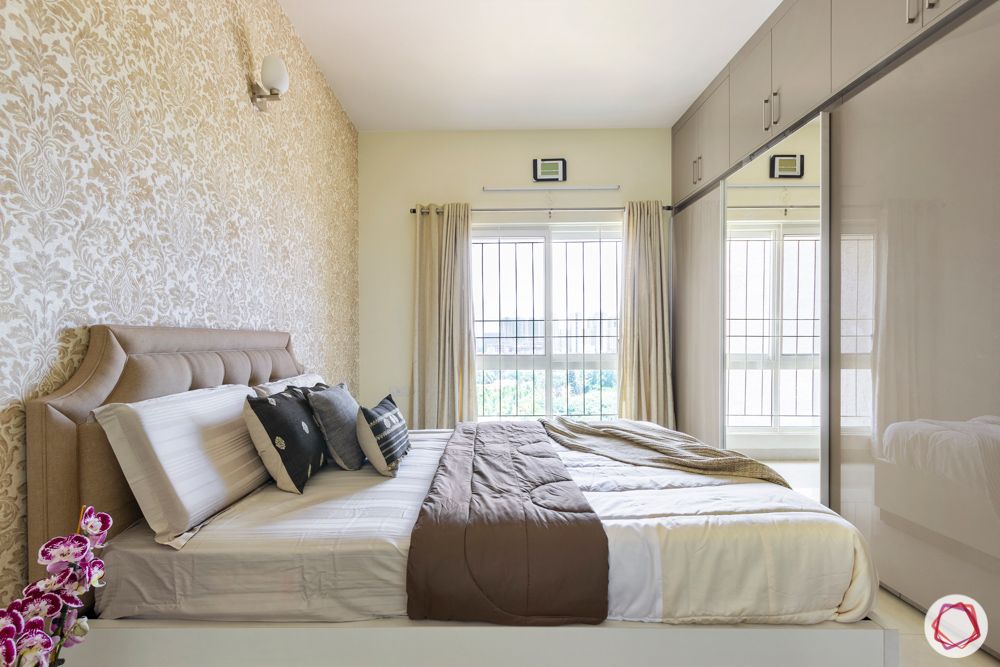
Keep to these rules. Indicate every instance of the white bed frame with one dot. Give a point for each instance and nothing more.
(70, 463)
(404, 643)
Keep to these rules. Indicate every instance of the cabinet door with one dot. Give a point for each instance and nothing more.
(865, 31)
(684, 154)
(800, 61)
(713, 134)
(749, 100)
(934, 9)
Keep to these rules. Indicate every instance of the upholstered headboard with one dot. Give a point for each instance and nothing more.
(70, 462)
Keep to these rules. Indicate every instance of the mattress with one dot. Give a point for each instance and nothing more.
(684, 548)
(965, 452)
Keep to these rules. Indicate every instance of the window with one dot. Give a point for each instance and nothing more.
(546, 320)
(857, 328)
(773, 326)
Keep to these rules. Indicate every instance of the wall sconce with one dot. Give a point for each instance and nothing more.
(274, 77)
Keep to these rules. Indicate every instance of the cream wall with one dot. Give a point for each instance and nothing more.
(399, 170)
(138, 185)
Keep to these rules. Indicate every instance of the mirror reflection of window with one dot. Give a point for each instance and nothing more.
(773, 313)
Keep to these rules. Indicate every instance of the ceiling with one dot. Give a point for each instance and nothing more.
(521, 64)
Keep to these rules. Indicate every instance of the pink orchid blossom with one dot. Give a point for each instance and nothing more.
(8, 649)
(45, 605)
(92, 573)
(56, 568)
(73, 586)
(67, 549)
(95, 526)
(51, 584)
(66, 585)
(77, 628)
(12, 617)
(33, 648)
(32, 631)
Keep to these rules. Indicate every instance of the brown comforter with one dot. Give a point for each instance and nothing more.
(506, 536)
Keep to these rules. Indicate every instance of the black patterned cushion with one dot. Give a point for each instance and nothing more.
(337, 415)
(286, 436)
(383, 436)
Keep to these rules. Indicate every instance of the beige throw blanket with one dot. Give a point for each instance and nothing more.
(646, 444)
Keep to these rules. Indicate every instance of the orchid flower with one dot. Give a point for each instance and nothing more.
(34, 628)
(71, 549)
(8, 649)
(33, 648)
(95, 525)
(74, 586)
(45, 605)
(76, 628)
(13, 618)
(92, 573)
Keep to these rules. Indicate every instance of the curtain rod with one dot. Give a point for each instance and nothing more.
(425, 211)
(776, 206)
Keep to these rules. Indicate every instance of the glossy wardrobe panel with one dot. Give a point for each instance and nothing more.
(915, 212)
(697, 251)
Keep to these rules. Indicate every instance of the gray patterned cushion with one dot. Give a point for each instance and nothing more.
(383, 436)
(336, 413)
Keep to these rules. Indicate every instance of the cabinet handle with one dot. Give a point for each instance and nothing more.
(694, 172)
(911, 17)
(775, 107)
(767, 114)
(931, 4)
(701, 168)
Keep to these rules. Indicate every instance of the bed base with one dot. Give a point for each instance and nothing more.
(404, 643)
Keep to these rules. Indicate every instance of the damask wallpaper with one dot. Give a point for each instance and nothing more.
(139, 185)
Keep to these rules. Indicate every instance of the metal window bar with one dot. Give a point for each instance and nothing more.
(780, 343)
(857, 324)
(573, 365)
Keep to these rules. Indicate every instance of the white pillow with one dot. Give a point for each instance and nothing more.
(278, 386)
(186, 456)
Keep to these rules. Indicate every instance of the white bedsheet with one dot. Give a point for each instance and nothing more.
(683, 548)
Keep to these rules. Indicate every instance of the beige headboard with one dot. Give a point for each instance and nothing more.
(70, 462)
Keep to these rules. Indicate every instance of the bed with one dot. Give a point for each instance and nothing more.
(683, 548)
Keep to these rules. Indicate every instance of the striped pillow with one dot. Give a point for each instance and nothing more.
(186, 456)
(383, 436)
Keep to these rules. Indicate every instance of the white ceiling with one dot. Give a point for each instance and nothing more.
(521, 64)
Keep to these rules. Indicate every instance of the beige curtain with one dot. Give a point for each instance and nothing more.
(444, 372)
(645, 390)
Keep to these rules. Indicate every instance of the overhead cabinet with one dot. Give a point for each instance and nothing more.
(866, 31)
(701, 144)
(782, 77)
(750, 105)
(806, 52)
(934, 9)
(800, 62)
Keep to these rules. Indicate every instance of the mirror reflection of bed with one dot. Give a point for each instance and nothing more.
(938, 482)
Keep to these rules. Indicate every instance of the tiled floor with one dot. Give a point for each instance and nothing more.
(891, 612)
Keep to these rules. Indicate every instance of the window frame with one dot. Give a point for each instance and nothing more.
(548, 233)
(774, 360)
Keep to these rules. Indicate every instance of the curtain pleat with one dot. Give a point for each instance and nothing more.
(444, 373)
(644, 374)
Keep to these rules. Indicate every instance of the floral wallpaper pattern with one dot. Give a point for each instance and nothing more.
(139, 185)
